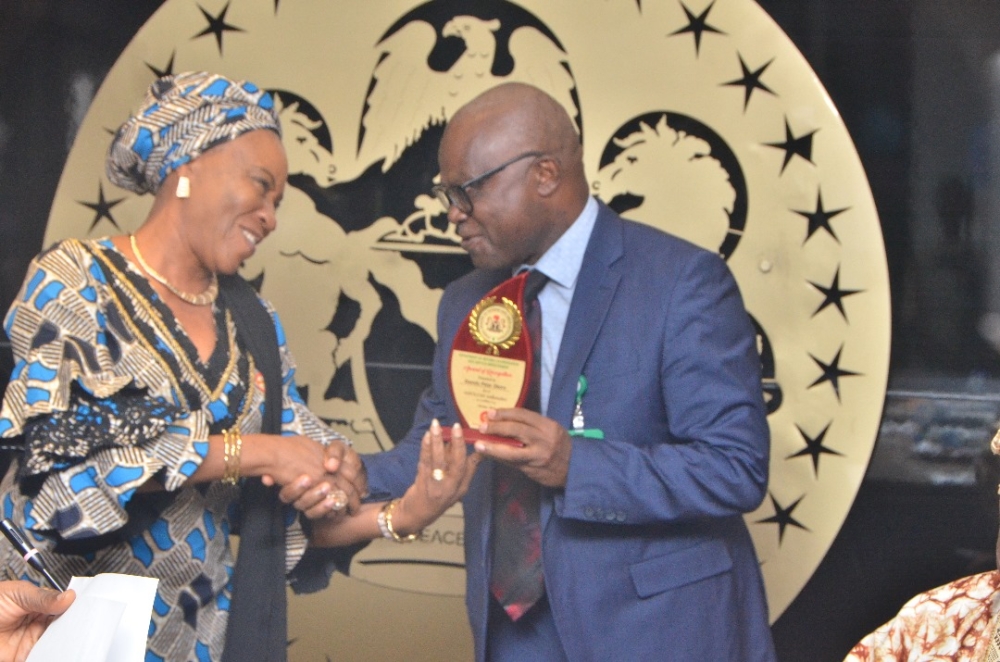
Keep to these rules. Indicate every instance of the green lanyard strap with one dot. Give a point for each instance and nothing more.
(578, 425)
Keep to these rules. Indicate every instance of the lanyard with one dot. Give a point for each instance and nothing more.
(578, 423)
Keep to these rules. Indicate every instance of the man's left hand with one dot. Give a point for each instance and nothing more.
(544, 456)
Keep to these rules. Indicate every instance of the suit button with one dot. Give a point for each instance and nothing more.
(588, 511)
(621, 517)
(610, 516)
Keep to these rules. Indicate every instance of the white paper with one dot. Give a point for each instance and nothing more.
(83, 635)
(109, 621)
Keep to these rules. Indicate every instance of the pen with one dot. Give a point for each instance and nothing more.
(31, 555)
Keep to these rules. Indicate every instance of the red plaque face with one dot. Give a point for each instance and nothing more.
(490, 364)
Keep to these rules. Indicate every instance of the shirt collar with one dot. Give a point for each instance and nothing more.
(562, 262)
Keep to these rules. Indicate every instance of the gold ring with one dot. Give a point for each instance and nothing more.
(438, 475)
(338, 499)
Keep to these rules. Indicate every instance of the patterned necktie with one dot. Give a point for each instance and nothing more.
(516, 579)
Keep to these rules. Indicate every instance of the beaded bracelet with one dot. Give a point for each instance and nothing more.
(381, 523)
(232, 447)
(385, 524)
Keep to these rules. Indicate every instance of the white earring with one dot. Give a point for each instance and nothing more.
(183, 187)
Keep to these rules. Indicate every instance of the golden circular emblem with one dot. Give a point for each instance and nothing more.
(495, 325)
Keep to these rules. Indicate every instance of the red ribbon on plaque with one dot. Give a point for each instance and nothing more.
(491, 359)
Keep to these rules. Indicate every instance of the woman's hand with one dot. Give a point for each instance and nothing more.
(347, 472)
(444, 472)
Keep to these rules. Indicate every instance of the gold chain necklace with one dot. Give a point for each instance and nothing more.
(203, 299)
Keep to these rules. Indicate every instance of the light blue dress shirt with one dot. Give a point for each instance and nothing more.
(561, 263)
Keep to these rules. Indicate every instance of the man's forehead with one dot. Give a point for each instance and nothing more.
(466, 150)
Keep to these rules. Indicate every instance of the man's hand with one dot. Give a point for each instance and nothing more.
(337, 493)
(544, 456)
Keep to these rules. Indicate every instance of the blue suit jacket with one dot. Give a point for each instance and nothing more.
(645, 551)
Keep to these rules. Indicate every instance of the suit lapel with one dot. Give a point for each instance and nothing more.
(596, 287)
(595, 290)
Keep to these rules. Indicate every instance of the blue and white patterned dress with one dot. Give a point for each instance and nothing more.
(108, 392)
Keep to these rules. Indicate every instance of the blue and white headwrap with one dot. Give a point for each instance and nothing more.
(182, 116)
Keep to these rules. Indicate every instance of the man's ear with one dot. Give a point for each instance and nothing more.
(548, 175)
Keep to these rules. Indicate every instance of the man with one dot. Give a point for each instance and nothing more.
(644, 551)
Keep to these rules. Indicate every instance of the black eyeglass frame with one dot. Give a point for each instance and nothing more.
(457, 195)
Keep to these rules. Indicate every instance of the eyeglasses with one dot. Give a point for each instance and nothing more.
(457, 195)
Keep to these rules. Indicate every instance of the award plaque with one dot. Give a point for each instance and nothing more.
(491, 358)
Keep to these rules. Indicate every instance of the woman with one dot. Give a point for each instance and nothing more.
(156, 398)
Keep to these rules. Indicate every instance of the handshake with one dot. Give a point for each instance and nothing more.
(319, 480)
(327, 483)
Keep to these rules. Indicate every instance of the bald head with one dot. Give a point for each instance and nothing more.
(512, 160)
(519, 117)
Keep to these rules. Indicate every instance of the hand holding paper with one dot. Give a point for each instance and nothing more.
(108, 621)
(25, 611)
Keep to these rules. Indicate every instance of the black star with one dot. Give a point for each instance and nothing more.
(834, 296)
(217, 25)
(167, 71)
(751, 81)
(697, 25)
(102, 208)
(783, 517)
(832, 372)
(814, 447)
(820, 218)
(801, 145)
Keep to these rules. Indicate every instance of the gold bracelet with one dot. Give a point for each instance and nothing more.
(225, 452)
(226, 449)
(387, 518)
(232, 447)
(237, 455)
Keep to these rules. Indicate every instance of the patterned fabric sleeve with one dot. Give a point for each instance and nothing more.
(950, 622)
(993, 654)
(81, 397)
(309, 569)
(296, 418)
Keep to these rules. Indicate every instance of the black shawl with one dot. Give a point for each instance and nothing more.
(258, 615)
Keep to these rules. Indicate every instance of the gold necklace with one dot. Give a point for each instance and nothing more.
(203, 299)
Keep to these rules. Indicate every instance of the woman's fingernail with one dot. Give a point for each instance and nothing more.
(435, 427)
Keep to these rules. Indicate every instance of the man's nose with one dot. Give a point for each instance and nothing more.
(456, 215)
